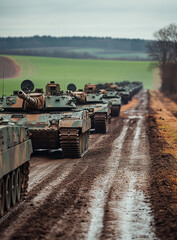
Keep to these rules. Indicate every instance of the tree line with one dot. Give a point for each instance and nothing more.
(9, 43)
(164, 50)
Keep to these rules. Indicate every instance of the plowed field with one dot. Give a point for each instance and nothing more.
(8, 68)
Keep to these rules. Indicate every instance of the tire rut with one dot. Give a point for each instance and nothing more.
(76, 199)
(128, 214)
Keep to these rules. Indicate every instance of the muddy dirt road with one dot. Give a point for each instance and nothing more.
(104, 195)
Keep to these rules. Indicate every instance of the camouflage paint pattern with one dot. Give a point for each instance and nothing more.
(90, 88)
(113, 96)
(45, 115)
(15, 147)
(93, 100)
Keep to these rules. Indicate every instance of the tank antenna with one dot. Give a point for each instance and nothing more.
(3, 81)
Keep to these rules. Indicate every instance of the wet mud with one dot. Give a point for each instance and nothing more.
(107, 194)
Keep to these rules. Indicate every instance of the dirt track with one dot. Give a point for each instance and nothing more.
(104, 195)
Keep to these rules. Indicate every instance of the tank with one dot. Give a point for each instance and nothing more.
(99, 109)
(125, 94)
(52, 119)
(128, 89)
(110, 92)
(15, 151)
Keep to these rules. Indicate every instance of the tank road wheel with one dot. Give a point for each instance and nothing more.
(2, 197)
(101, 123)
(18, 184)
(8, 192)
(13, 187)
(73, 143)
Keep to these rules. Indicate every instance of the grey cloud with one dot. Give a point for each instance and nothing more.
(116, 18)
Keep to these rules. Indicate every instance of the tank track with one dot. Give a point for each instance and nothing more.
(24, 170)
(44, 138)
(115, 111)
(73, 143)
(25, 173)
(92, 121)
(101, 123)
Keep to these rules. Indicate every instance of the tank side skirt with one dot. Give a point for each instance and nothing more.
(20, 152)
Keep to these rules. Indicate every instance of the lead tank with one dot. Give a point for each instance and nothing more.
(52, 118)
(15, 151)
(93, 101)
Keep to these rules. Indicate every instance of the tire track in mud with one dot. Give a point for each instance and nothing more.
(32, 201)
(88, 198)
(43, 170)
(101, 188)
(81, 215)
(100, 193)
(82, 176)
(31, 213)
(128, 214)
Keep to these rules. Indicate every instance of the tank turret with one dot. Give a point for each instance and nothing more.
(53, 88)
(26, 97)
(110, 92)
(112, 95)
(99, 109)
(35, 102)
(90, 88)
(51, 118)
(79, 96)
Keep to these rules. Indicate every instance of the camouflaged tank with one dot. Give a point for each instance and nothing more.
(125, 94)
(52, 119)
(128, 89)
(110, 92)
(99, 109)
(15, 151)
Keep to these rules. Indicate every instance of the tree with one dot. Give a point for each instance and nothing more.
(164, 51)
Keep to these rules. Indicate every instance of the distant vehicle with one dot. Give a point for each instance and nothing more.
(110, 92)
(128, 89)
(99, 109)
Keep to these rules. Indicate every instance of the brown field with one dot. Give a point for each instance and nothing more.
(8, 68)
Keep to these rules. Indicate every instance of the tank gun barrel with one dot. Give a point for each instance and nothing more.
(26, 97)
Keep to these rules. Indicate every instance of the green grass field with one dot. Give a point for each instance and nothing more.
(42, 70)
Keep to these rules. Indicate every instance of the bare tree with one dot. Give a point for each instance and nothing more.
(172, 37)
(164, 51)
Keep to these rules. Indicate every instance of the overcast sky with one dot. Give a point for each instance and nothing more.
(108, 18)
